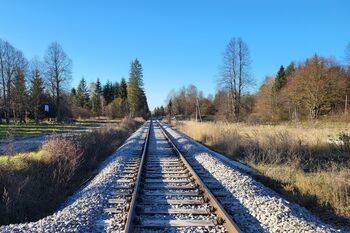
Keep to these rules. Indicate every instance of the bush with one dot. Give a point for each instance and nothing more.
(37, 187)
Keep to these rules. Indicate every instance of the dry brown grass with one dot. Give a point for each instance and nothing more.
(39, 184)
(301, 161)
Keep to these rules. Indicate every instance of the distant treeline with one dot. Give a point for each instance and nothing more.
(314, 88)
(114, 100)
(40, 89)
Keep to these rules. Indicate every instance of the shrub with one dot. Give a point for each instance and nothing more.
(37, 187)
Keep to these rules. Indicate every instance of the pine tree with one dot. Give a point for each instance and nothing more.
(98, 87)
(37, 93)
(276, 104)
(280, 80)
(116, 90)
(123, 89)
(19, 95)
(169, 108)
(108, 92)
(73, 92)
(96, 102)
(136, 96)
(123, 93)
(82, 94)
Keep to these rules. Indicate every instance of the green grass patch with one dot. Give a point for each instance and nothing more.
(31, 129)
(19, 160)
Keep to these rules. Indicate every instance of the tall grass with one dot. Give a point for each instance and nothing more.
(310, 165)
(33, 186)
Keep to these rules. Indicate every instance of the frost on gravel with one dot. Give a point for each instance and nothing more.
(83, 212)
(256, 207)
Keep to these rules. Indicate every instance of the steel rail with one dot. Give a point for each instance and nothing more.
(130, 226)
(228, 222)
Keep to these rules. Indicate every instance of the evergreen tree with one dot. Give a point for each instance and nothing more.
(123, 89)
(82, 94)
(116, 90)
(98, 87)
(96, 102)
(280, 80)
(123, 93)
(136, 96)
(276, 103)
(37, 93)
(19, 95)
(169, 108)
(73, 92)
(162, 111)
(108, 92)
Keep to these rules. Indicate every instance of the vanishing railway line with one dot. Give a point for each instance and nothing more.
(159, 190)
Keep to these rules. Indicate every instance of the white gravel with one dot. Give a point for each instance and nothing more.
(256, 207)
(83, 212)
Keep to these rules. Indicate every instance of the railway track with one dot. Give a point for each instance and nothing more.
(160, 191)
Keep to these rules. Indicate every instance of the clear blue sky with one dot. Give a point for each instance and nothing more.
(177, 42)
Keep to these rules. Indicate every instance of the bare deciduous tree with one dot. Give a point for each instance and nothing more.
(11, 60)
(235, 75)
(58, 71)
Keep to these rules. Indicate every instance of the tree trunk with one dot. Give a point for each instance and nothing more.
(14, 115)
(232, 100)
(35, 112)
(58, 109)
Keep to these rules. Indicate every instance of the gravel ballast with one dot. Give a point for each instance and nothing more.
(83, 212)
(256, 207)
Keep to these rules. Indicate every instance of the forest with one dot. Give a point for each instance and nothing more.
(39, 89)
(315, 88)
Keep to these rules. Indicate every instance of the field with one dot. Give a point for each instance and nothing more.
(45, 128)
(36, 183)
(306, 162)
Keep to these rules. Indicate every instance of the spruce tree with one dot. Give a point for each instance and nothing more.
(123, 89)
(116, 90)
(73, 92)
(19, 95)
(98, 87)
(108, 92)
(136, 96)
(96, 99)
(37, 93)
(169, 108)
(82, 94)
(280, 80)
